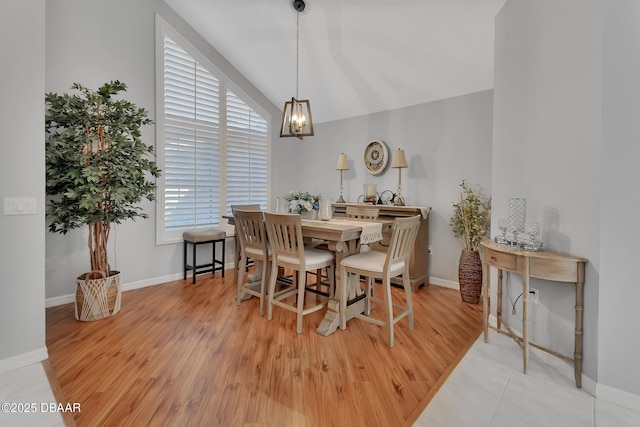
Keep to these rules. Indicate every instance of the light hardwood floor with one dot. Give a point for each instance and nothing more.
(183, 354)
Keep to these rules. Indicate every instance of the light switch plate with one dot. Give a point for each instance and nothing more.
(19, 205)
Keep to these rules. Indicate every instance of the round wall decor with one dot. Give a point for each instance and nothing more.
(376, 157)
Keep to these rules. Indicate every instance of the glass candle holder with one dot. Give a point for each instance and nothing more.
(370, 194)
(503, 224)
(532, 229)
(516, 216)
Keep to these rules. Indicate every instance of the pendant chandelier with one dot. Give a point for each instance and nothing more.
(296, 115)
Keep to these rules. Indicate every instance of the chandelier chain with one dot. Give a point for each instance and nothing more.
(297, 49)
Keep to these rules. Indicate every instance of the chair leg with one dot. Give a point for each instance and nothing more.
(224, 243)
(266, 273)
(272, 287)
(368, 305)
(302, 284)
(388, 304)
(193, 281)
(318, 283)
(184, 259)
(240, 275)
(407, 291)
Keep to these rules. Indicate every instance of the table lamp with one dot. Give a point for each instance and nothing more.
(399, 162)
(342, 165)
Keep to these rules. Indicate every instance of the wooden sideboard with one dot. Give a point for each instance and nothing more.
(419, 264)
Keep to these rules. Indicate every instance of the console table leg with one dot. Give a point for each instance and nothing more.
(525, 315)
(485, 299)
(499, 305)
(577, 356)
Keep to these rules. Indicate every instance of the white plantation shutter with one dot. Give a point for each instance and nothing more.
(192, 143)
(214, 147)
(247, 145)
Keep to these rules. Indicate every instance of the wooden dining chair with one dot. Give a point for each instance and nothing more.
(252, 237)
(288, 251)
(382, 265)
(254, 207)
(249, 262)
(364, 212)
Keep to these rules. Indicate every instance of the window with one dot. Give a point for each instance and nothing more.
(213, 146)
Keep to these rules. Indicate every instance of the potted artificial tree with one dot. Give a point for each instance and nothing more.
(97, 172)
(470, 221)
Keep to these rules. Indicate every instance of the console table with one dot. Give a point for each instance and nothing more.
(419, 262)
(542, 265)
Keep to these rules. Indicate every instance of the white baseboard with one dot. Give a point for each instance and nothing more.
(149, 282)
(61, 300)
(24, 359)
(618, 397)
(444, 283)
(66, 299)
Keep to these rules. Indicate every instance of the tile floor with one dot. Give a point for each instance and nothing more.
(488, 389)
(27, 386)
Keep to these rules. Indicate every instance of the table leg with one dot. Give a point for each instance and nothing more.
(331, 320)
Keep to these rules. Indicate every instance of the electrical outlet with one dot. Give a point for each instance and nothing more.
(533, 295)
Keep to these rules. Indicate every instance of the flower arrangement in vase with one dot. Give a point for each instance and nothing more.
(470, 221)
(471, 216)
(300, 202)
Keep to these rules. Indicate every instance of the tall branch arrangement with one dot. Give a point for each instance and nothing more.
(471, 216)
(98, 169)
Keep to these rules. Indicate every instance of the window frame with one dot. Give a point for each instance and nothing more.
(225, 84)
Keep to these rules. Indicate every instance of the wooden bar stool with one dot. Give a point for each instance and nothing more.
(203, 237)
(284, 232)
(382, 265)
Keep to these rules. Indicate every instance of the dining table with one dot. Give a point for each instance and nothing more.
(343, 236)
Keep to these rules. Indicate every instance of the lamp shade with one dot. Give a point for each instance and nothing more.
(343, 163)
(399, 161)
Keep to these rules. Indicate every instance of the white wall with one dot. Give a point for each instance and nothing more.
(22, 288)
(618, 346)
(95, 42)
(546, 148)
(435, 136)
(444, 142)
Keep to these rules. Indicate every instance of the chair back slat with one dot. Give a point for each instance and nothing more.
(403, 238)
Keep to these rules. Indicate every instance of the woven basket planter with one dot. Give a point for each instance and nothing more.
(470, 276)
(97, 296)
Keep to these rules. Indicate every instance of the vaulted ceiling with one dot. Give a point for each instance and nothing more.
(356, 56)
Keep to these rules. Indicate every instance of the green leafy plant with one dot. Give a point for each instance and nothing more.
(471, 216)
(98, 169)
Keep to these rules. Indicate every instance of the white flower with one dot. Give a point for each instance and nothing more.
(302, 202)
